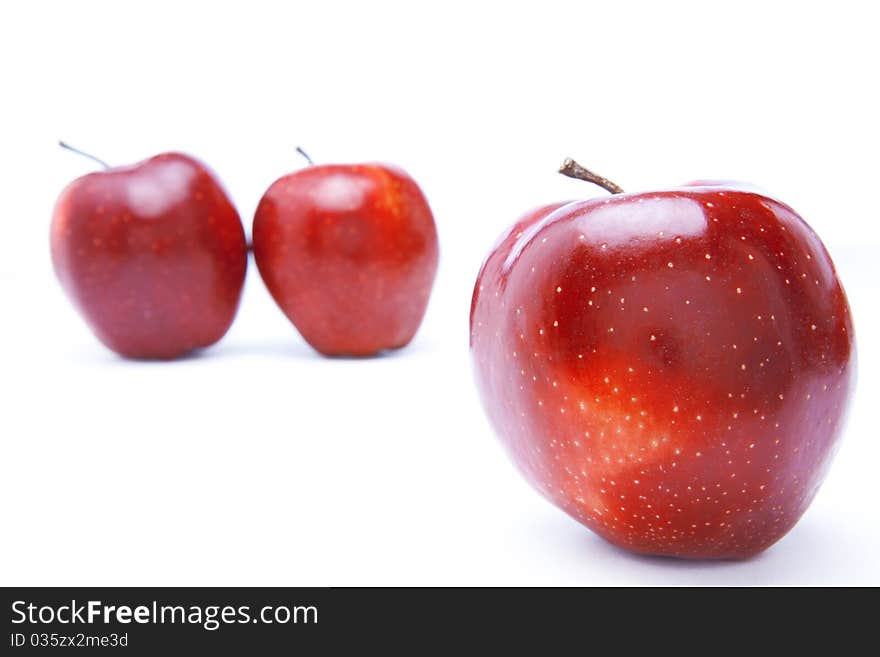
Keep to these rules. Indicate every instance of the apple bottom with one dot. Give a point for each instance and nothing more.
(356, 321)
(657, 472)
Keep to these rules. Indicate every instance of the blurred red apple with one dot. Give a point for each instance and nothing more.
(349, 253)
(153, 255)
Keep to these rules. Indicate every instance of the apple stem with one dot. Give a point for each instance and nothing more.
(572, 169)
(83, 153)
(305, 155)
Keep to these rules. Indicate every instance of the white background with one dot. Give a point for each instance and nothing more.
(262, 463)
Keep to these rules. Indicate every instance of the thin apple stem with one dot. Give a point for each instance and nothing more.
(83, 153)
(572, 169)
(305, 155)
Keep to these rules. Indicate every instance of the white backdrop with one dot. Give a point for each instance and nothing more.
(261, 463)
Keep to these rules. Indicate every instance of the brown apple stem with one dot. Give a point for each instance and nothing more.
(83, 153)
(305, 155)
(572, 169)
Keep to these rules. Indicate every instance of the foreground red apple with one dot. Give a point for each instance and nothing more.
(153, 255)
(670, 368)
(349, 253)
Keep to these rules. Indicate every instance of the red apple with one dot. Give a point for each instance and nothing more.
(153, 255)
(670, 368)
(349, 253)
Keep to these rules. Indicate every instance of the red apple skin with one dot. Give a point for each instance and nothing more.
(153, 255)
(349, 253)
(672, 369)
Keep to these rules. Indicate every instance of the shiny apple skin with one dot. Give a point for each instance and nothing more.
(349, 253)
(153, 255)
(672, 369)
